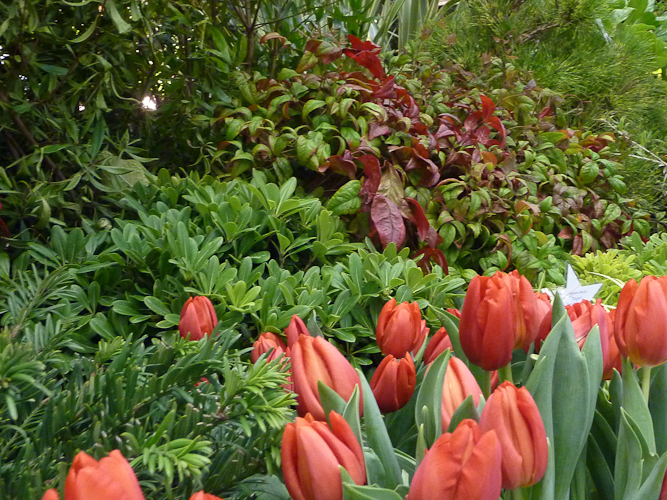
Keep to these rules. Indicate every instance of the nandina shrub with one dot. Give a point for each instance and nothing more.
(426, 158)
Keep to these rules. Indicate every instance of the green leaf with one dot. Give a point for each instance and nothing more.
(286, 74)
(589, 172)
(311, 106)
(346, 200)
(156, 305)
(121, 25)
(378, 438)
(355, 492)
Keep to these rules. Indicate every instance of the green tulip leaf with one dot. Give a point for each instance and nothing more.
(653, 484)
(628, 469)
(375, 471)
(378, 438)
(420, 453)
(465, 410)
(657, 404)
(635, 405)
(598, 467)
(451, 324)
(616, 397)
(351, 413)
(429, 399)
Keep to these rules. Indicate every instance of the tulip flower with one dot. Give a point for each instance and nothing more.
(513, 414)
(264, 344)
(438, 344)
(393, 383)
(200, 495)
(400, 329)
(640, 321)
(51, 494)
(544, 311)
(312, 452)
(461, 465)
(315, 359)
(615, 358)
(584, 315)
(295, 328)
(458, 385)
(198, 318)
(111, 478)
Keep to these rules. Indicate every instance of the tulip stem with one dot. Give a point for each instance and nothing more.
(505, 373)
(516, 494)
(646, 381)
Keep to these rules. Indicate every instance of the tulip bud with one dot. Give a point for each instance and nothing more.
(513, 414)
(315, 359)
(458, 385)
(264, 344)
(639, 323)
(200, 495)
(461, 465)
(111, 478)
(51, 494)
(400, 329)
(198, 318)
(312, 452)
(295, 328)
(438, 344)
(499, 314)
(584, 315)
(544, 311)
(393, 383)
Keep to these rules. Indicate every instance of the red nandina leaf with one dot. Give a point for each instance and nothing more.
(546, 111)
(372, 176)
(313, 45)
(370, 61)
(472, 120)
(488, 108)
(495, 122)
(359, 45)
(420, 219)
(429, 254)
(490, 158)
(386, 90)
(388, 221)
(341, 165)
(376, 130)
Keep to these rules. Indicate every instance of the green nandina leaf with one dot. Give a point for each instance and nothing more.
(589, 172)
(346, 200)
(617, 184)
(311, 106)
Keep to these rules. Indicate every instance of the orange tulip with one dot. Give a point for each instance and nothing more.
(315, 359)
(513, 414)
(51, 494)
(198, 318)
(200, 495)
(111, 478)
(459, 384)
(640, 321)
(486, 329)
(400, 329)
(462, 465)
(438, 344)
(393, 383)
(544, 311)
(264, 344)
(311, 453)
(584, 315)
(295, 328)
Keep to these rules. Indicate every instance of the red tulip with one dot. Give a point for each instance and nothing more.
(459, 384)
(640, 321)
(315, 359)
(111, 478)
(615, 358)
(438, 344)
(463, 465)
(295, 328)
(513, 414)
(663, 490)
(400, 328)
(51, 494)
(200, 495)
(393, 383)
(486, 329)
(544, 311)
(528, 314)
(312, 452)
(584, 315)
(198, 318)
(264, 344)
